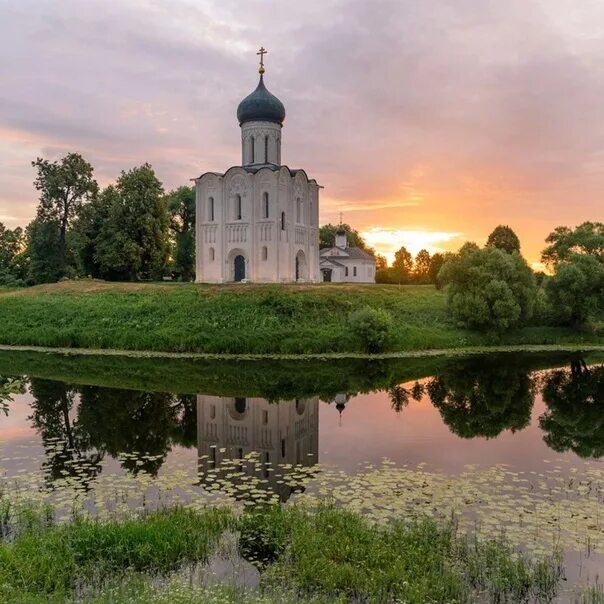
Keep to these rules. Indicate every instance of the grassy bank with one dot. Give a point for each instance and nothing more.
(326, 555)
(242, 319)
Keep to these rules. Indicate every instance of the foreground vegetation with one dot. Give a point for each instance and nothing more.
(246, 319)
(324, 555)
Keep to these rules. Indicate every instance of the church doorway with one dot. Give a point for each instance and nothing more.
(239, 268)
(326, 274)
(301, 268)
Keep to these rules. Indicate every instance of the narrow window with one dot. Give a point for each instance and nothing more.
(354, 271)
(213, 412)
(282, 447)
(240, 453)
(265, 205)
(211, 209)
(265, 417)
(264, 253)
(212, 254)
(253, 150)
(266, 149)
(237, 207)
(283, 221)
(298, 207)
(346, 272)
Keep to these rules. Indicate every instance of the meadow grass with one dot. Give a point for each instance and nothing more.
(242, 319)
(321, 555)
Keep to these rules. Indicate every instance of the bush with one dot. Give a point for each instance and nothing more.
(372, 327)
(489, 289)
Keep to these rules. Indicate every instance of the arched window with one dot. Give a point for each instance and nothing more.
(211, 209)
(238, 213)
(283, 221)
(266, 149)
(211, 254)
(265, 205)
(253, 150)
(264, 253)
(298, 210)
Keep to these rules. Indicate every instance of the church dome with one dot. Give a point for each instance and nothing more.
(261, 106)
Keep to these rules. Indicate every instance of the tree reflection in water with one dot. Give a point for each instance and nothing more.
(483, 397)
(574, 419)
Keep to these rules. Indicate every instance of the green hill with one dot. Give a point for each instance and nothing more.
(240, 319)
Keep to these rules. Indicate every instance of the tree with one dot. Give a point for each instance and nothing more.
(504, 238)
(381, 262)
(576, 291)
(586, 239)
(181, 206)
(489, 289)
(12, 248)
(64, 186)
(402, 267)
(421, 270)
(436, 263)
(42, 245)
(134, 240)
(327, 237)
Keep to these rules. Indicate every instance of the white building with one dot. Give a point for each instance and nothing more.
(342, 263)
(258, 221)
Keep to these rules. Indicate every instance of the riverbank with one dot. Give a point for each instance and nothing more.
(246, 319)
(288, 554)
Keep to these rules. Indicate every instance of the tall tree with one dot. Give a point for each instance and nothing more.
(134, 240)
(402, 267)
(64, 186)
(586, 240)
(42, 244)
(421, 270)
(504, 238)
(181, 206)
(381, 262)
(12, 248)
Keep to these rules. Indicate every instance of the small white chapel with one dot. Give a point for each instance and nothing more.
(258, 221)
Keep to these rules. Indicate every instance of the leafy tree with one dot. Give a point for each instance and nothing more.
(576, 291)
(402, 267)
(489, 289)
(88, 229)
(399, 395)
(327, 237)
(381, 262)
(181, 206)
(372, 327)
(483, 397)
(504, 238)
(12, 248)
(574, 419)
(436, 263)
(421, 270)
(42, 245)
(134, 240)
(564, 243)
(64, 186)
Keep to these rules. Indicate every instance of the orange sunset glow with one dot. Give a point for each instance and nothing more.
(427, 123)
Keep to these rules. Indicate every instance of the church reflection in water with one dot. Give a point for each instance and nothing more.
(283, 433)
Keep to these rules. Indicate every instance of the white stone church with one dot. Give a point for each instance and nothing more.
(258, 221)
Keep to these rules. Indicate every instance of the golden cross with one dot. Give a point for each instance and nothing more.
(261, 52)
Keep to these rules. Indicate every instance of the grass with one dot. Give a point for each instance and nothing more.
(325, 555)
(242, 319)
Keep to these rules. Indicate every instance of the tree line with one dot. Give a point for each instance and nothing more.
(132, 229)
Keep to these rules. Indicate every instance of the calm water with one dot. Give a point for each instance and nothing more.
(97, 417)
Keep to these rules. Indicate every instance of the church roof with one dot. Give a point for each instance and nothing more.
(254, 169)
(348, 253)
(261, 106)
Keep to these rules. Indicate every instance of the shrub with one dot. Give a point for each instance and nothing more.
(371, 327)
(489, 289)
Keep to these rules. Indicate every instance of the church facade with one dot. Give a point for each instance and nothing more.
(258, 221)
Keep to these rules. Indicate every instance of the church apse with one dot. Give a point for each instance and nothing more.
(262, 436)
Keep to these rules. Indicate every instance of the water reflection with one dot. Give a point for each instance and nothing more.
(267, 438)
(82, 426)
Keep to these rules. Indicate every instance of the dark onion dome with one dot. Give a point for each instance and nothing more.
(261, 106)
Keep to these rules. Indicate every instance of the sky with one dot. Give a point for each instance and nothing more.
(428, 123)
